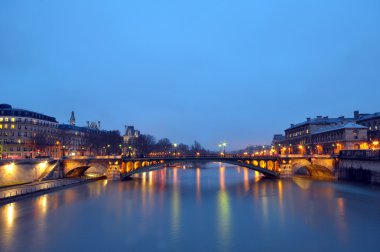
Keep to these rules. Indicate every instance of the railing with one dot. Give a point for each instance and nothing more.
(171, 156)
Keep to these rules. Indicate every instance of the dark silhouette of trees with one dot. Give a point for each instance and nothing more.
(164, 145)
(143, 144)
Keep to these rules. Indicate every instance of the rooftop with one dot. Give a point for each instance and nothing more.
(319, 120)
(369, 116)
(8, 110)
(349, 125)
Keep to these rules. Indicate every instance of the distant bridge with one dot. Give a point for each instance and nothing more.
(270, 166)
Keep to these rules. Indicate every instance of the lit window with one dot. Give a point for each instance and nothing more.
(12, 120)
(1, 126)
(12, 126)
(5, 126)
(6, 119)
(1, 119)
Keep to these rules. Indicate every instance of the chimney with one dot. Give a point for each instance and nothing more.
(319, 117)
(88, 124)
(356, 115)
(308, 119)
(99, 124)
(292, 125)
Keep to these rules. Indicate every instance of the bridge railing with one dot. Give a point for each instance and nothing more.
(198, 156)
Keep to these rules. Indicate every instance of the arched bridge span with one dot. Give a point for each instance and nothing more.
(124, 167)
(133, 166)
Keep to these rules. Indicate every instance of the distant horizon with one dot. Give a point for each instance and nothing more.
(212, 148)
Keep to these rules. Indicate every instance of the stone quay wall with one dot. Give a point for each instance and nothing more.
(359, 170)
(24, 171)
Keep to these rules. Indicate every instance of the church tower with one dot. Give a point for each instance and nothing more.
(72, 119)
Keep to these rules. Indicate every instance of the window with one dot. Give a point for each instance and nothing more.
(12, 119)
(6, 119)
(12, 126)
(1, 119)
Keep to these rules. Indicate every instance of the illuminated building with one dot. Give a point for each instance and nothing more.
(87, 141)
(332, 139)
(301, 134)
(130, 133)
(372, 122)
(26, 134)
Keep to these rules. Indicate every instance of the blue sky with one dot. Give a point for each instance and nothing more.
(192, 70)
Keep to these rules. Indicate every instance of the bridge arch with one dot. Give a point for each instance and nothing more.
(129, 166)
(137, 165)
(263, 164)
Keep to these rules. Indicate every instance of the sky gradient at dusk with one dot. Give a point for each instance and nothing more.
(238, 71)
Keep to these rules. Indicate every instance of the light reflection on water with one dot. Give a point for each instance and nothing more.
(205, 207)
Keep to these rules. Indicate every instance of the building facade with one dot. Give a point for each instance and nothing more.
(333, 139)
(324, 135)
(372, 122)
(298, 137)
(26, 134)
(87, 141)
(130, 132)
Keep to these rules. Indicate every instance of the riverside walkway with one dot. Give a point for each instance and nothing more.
(12, 192)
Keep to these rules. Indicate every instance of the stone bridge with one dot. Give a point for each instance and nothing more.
(270, 166)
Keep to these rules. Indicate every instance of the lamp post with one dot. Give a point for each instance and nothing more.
(175, 148)
(121, 149)
(224, 144)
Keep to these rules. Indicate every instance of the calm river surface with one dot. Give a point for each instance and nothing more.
(207, 207)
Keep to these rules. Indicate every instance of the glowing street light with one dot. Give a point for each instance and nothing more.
(175, 148)
(9, 167)
(224, 144)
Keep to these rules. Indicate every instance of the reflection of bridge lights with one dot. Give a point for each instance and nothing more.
(246, 180)
(10, 214)
(222, 178)
(198, 175)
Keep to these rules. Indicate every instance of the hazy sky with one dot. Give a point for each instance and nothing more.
(204, 70)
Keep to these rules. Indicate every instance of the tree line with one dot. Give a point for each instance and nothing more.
(145, 145)
(111, 143)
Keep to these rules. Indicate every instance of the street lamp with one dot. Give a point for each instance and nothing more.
(175, 148)
(224, 144)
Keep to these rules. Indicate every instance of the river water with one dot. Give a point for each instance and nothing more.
(198, 207)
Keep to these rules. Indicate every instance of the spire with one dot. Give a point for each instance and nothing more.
(72, 119)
